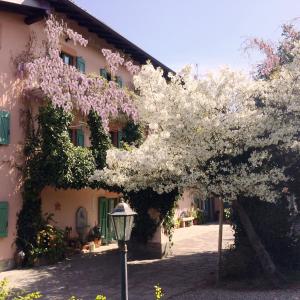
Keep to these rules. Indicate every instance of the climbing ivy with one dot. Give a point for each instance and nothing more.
(133, 134)
(51, 159)
(147, 201)
(99, 140)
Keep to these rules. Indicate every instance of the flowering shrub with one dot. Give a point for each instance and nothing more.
(49, 244)
(6, 293)
(158, 293)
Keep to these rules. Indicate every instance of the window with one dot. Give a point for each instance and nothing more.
(80, 64)
(116, 138)
(119, 81)
(3, 219)
(105, 74)
(67, 59)
(77, 137)
(4, 127)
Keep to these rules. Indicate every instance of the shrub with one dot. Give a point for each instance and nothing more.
(50, 244)
(200, 216)
(272, 224)
(6, 293)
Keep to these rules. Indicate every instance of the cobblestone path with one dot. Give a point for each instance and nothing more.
(188, 274)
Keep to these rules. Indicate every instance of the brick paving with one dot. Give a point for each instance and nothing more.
(188, 274)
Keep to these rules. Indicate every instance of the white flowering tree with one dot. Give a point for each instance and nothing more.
(218, 133)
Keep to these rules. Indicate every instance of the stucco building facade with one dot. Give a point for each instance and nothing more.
(18, 19)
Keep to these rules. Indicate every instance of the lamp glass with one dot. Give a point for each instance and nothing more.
(123, 226)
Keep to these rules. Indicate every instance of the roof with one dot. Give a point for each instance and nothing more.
(83, 18)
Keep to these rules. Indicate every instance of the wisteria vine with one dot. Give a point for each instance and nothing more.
(70, 89)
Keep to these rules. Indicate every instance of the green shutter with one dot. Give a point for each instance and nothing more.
(119, 81)
(80, 64)
(3, 219)
(4, 127)
(103, 210)
(80, 137)
(120, 138)
(103, 73)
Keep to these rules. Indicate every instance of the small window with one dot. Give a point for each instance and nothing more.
(80, 64)
(119, 81)
(4, 127)
(67, 59)
(77, 136)
(116, 138)
(3, 219)
(105, 74)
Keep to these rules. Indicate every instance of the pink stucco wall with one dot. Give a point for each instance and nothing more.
(14, 34)
(184, 203)
(63, 204)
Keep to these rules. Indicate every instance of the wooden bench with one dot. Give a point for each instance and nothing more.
(186, 221)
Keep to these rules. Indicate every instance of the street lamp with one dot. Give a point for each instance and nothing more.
(123, 217)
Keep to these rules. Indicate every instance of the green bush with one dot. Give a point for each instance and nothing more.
(227, 214)
(200, 216)
(50, 244)
(6, 293)
(272, 224)
(144, 200)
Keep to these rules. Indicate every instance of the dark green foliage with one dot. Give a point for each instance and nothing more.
(133, 134)
(99, 140)
(65, 165)
(29, 220)
(272, 222)
(144, 200)
(51, 159)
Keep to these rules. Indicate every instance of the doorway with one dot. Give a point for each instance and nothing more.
(106, 206)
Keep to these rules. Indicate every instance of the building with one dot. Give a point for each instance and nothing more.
(18, 18)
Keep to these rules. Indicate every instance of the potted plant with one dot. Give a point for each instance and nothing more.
(95, 235)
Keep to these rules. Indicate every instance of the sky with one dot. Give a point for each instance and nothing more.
(209, 33)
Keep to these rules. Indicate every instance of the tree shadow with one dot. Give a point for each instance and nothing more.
(87, 275)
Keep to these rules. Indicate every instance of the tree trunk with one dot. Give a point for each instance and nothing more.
(269, 268)
(221, 216)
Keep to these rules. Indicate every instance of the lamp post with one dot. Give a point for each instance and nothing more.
(123, 217)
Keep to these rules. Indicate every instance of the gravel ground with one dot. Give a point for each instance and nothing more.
(188, 274)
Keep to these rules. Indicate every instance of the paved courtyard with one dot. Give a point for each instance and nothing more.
(188, 274)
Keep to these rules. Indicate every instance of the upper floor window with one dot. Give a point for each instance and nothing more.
(67, 59)
(105, 74)
(77, 136)
(116, 138)
(70, 60)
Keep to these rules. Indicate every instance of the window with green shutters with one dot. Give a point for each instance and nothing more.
(3, 219)
(80, 64)
(119, 81)
(79, 138)
(116, 138)
(120, 136)
(4, 127)
(67, 59)
(103, 73)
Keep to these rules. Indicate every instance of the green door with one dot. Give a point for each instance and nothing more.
(106, 206)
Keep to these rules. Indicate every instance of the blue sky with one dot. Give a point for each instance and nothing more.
(209, 33)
